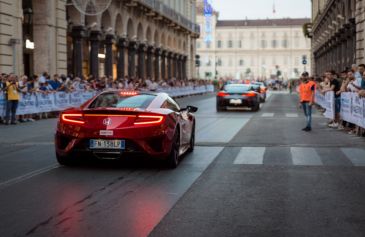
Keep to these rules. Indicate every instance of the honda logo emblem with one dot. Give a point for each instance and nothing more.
(107, 121)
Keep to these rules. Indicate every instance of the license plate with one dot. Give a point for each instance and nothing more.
(107, 144)
(235, 101)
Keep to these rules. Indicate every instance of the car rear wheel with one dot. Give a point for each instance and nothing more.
(192, 140)
(219, 108)
(65, 160)
(256, 107)
(173, 158)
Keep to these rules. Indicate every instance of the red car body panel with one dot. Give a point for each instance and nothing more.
(153, 140)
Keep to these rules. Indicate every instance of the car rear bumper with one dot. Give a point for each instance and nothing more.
(228, 102)
(156, 147)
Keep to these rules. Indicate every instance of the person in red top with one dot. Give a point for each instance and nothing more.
(306, 96)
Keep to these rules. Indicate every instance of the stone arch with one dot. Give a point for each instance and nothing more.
(91, 22)
(179, 47)
(118, 25)
(156, 39)
(106, 22)
(163, 40)
(184, 47)
(130, 29)
(149, 35)
(168, 43)
(140, 35)
(74, 16)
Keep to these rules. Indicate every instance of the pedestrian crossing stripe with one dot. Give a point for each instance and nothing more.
(267, 115)
(250, 155)
(300, 156)
(305, 156)
(291, 115)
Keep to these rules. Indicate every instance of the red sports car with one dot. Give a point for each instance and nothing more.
(117, 124)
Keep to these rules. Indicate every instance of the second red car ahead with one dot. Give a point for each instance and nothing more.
(117, 124)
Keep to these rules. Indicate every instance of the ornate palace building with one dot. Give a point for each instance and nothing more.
(337, 33)
(138, 38)
(251, 48)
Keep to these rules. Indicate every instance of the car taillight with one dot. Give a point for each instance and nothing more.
(221, 94)
(250, 94)
(148, 120)
(73, 118)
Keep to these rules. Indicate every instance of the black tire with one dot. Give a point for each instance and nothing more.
(173, 158)
(65, 160)
(256, 107)
(219, 108)
(192, 140)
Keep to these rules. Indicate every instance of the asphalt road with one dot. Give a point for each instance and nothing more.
(252, 174)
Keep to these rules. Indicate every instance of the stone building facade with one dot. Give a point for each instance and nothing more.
(252, 48)
(337, 34)
(138, 38)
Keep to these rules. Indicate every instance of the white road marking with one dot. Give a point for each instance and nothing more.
(305, 156)
(267, 115)
(355, 155)
(250, 156)
(27, 176)
(291, 115)
(221, 130)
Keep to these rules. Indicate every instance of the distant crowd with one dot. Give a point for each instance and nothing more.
(12, 86)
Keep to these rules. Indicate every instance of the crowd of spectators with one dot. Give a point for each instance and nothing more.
(349, 80)
(13, 86)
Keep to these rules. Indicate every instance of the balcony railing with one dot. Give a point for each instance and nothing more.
(171, 14)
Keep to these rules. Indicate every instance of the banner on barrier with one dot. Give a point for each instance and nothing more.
(357, 110)
(62, 100)
(27, 104)
(330, 105)
(327, 102)
(346, 106)
(2, 104)
(76, 98)
(45, 103)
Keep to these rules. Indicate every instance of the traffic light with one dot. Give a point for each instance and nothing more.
(197, 60)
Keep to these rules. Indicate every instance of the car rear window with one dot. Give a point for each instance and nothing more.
(237, 88)
(116, 100)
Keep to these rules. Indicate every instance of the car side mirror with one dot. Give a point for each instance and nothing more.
(192, 109)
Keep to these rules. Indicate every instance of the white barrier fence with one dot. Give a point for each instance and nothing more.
(352, 107)
(327, 102)
(33, 103)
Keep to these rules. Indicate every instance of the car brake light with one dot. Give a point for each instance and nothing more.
(221, 94)
(250, 94)
(148, 119)
(73, 118)
(128, 93)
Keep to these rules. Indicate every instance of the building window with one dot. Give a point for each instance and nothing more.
(230, 44)
(219, 44)
(274, 44)
(285, 43)
(207, 44)
(198, 45)
(241, 62)
(263, 44)
(240, 44)
(230, 62)
(219, 62)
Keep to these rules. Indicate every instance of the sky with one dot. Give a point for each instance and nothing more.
(261, 9)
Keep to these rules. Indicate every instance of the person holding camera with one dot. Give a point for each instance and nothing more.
(12, 91)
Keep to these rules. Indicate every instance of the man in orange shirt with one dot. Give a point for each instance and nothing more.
(306, 96)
